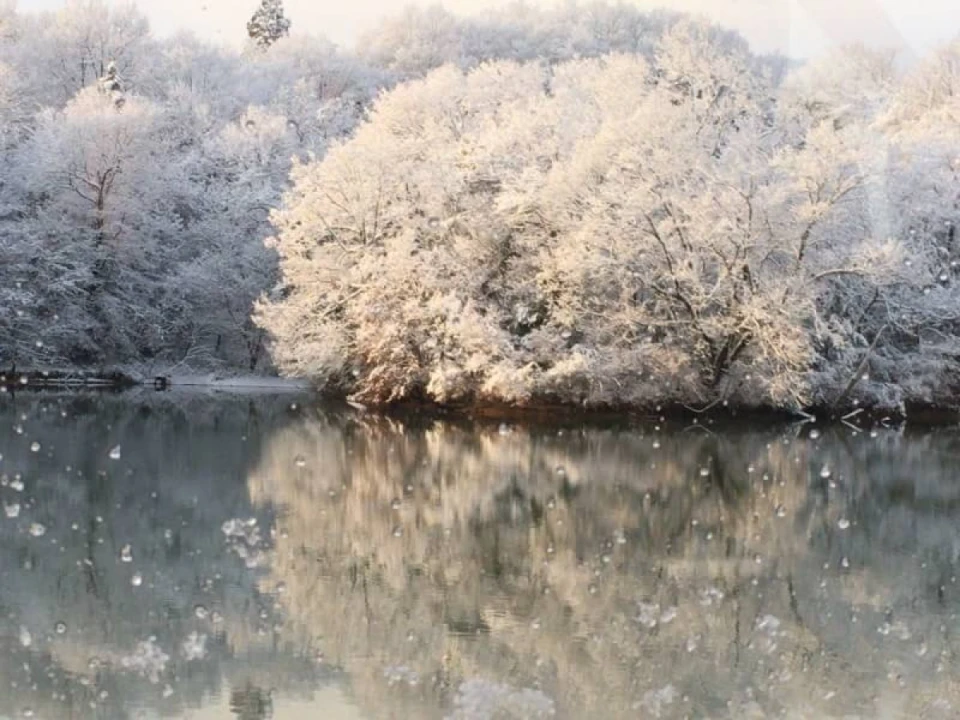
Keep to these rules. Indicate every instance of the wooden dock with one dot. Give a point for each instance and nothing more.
(20, 381)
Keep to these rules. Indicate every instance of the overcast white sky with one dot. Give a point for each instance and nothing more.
(800, 28)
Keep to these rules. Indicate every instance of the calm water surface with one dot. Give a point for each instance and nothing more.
(218, 558)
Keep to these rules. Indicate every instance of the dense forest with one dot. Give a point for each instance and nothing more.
(593, 205)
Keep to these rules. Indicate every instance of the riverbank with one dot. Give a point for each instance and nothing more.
(117, 380)
(15, 380)
(539, 412)
(565, 413)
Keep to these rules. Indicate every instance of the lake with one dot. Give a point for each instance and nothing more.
(221, 557)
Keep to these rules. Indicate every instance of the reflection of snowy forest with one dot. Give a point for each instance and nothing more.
(593, 204)
(438, 570)
(99, 555)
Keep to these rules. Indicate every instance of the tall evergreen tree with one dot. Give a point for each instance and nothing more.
(110, 85)
(268, 23)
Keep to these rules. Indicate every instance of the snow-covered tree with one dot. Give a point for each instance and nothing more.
(232, 267)
(922, 201)
(601, 231)
(110, 85)
(168, 161)
(321, 92)
(848, 85)
(268, 24)
(15, 110)
(71, 48)
(94, 172)
(9, 21)
(589, 203)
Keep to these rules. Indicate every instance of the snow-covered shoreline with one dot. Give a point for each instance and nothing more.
(239, 384)
(27, 380)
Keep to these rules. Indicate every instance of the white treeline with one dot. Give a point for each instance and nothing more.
(137, 173)
(136, 180)
(635, 228)
(591, 204)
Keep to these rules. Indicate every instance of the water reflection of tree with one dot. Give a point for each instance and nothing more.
(251, 703)
(180, 475)
(615, 572)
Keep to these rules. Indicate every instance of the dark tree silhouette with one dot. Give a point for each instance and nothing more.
(251, 703)
(268, 23)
